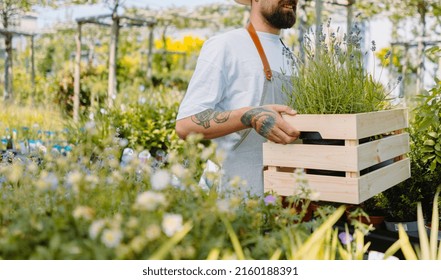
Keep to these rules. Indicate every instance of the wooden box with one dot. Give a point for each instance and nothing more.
(370, 158)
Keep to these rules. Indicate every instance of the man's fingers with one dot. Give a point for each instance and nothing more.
(279, 136)
(289, 130)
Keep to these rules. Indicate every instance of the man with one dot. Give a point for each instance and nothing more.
(231, 100)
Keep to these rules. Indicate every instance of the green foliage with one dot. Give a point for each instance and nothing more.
(76, 208)
(147, 120)
(429, 247)
(428, 128)
(425, 156)
(332, 79)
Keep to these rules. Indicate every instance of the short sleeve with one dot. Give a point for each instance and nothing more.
(207, 85)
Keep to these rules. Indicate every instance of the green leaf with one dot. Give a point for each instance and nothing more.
(429, 143)
(427, 149)
(433, 166)
(427, 157)
(433, 134)
(438, 147)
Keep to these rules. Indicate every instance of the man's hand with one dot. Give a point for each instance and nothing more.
(268, 122)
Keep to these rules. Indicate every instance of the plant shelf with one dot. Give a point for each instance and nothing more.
(354, 159)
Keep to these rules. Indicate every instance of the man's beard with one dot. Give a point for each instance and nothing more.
(279, 18)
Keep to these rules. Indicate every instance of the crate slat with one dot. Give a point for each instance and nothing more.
(383, 149)
(341, 189)
(351, 126)
(336, 158)
(383, 179)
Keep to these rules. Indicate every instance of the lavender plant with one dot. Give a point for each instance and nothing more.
(332, 78)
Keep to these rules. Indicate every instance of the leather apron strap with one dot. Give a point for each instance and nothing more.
(255, 38)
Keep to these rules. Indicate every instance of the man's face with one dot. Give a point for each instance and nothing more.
(281, 14)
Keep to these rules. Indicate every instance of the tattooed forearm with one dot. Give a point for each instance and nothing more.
(204, 118)
(261, 119)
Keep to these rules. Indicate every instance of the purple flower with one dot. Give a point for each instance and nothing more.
(345, 237)
(269, 199)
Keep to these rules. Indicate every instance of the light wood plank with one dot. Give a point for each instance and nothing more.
(336, 158)
(351, 126)
(380, 150)
(341, 189)
(383, 179)
(376, 123)
(336, 189)
(352, 174)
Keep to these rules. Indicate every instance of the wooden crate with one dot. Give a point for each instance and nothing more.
(353, 159)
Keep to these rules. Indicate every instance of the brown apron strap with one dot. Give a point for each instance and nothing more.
(255, 38)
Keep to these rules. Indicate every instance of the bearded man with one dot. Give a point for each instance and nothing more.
(236, 95)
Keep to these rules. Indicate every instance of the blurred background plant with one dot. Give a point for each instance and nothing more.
(74, 207)
(425, 156)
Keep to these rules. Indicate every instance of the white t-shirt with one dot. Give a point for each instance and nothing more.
(229, 75)
(229, 72)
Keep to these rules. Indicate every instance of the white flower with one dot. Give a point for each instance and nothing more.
(41, 148)
(314, 196)
(207, 152)
(74, 178)
(47, 181)
(178, 170)
(95, 228)
(149, 200)
(171, 224)
(83, 212)
(152, 232)
(223, 205)
(111, 237)
(160, 180)
(92, 180)
(90, 125)
(123, 142)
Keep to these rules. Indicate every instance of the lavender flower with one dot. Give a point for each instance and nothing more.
(345, 238)
(269, 199)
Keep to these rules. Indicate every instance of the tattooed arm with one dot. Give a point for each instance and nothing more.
(266, 120)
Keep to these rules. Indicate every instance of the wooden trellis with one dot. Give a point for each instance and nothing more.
(420, 45)
(116, 22)
(8, 69)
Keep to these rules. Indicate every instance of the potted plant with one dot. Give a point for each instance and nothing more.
(336, 98)
(370, 212)
(429, 246)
